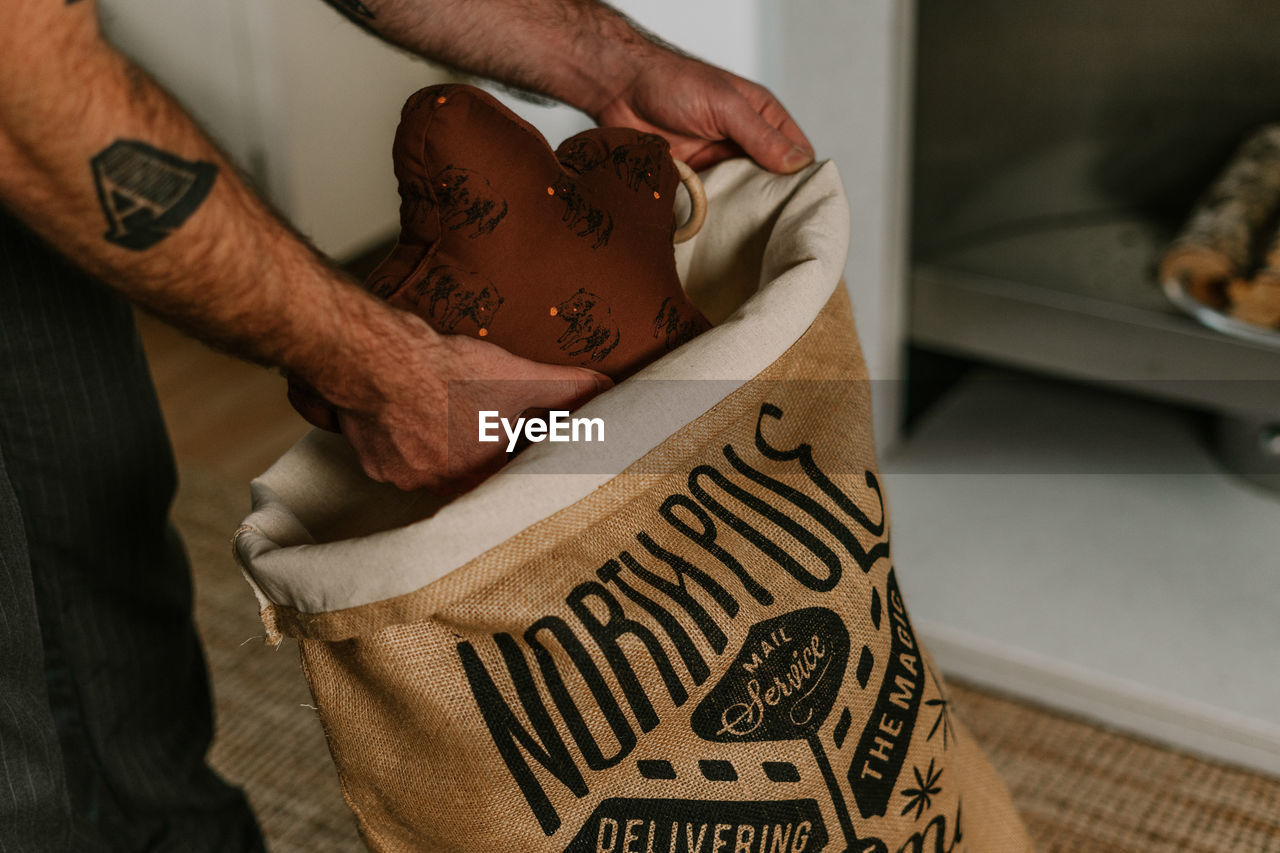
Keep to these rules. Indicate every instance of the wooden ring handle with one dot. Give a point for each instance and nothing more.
(698, 196)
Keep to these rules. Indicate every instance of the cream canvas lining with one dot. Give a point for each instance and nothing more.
(323, 537)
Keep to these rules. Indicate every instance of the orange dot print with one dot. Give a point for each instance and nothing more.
(441, 99)
(484, 332)
(554, 312)
(657, 194)
(551, 191)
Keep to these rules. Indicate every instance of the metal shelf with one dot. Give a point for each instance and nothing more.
(1080, 301)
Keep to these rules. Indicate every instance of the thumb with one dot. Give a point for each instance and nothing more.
(566, 387)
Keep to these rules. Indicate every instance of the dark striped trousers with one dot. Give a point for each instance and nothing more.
(105, 713)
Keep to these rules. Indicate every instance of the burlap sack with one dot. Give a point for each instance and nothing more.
(706, 652)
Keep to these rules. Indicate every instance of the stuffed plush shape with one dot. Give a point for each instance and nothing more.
(558, 256)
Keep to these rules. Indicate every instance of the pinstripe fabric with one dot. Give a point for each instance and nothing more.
(35, 811)
(105, 740)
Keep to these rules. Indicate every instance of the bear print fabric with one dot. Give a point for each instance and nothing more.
(562, 257)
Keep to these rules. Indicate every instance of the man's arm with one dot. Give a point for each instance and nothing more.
(111, 172)
(588, 55)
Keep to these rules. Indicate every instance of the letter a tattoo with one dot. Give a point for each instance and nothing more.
(146, 193)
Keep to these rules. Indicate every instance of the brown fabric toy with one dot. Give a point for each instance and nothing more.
(558, 256)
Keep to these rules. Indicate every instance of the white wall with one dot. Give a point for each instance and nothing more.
(303, 101)
(340, 94)
(842, 68)
(194, 48)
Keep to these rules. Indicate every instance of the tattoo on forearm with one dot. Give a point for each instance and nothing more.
(146, 193)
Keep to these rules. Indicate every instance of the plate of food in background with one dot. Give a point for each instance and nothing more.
(1224, 267)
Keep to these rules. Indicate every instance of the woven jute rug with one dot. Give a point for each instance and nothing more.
(1080, 787)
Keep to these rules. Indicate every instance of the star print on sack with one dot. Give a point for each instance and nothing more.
(941, 723)
(921, 796)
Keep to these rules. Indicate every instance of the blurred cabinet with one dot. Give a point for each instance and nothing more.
(1084, 546)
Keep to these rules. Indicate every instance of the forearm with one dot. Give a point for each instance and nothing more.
(581, 52)
(591, 57)
(111, 172)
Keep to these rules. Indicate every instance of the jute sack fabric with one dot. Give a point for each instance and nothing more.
(687, 639)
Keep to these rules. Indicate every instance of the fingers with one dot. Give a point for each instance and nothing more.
(566, 387)
(448, 459)
(383, 461)
(777, 116)
(311, 406)
(758, 123)
(706, 156)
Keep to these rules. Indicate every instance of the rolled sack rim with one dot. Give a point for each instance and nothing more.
(802, 264)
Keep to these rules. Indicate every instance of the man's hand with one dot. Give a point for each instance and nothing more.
(708, 115)
(434, 386)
